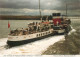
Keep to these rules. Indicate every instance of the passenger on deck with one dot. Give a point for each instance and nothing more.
(25, 32)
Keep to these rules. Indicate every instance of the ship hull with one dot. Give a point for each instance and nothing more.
(16, 43)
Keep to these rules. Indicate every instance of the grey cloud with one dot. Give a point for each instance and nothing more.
(19, 4)
(33, 4)
(36, 12)
(59, 5)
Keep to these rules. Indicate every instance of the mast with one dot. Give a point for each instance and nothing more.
(47, 18)
(66, 10)
(40, 11)
(39, 8)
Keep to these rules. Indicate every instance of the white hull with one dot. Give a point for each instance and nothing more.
(29, 36)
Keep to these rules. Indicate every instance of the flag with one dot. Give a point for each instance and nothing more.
(8, 24)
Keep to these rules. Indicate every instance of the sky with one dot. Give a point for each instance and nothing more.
(31, 7)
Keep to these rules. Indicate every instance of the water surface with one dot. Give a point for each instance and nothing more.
(14, 24)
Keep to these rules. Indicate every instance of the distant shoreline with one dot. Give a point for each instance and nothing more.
(19, 17)
(3, 17)
(24, 17)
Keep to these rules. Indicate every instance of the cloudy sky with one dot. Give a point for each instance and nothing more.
(31, 7)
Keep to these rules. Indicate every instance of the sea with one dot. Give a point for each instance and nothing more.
(15, 24)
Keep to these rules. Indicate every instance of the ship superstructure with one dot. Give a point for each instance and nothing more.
(61, 24)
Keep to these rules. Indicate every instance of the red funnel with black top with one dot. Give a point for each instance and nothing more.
(57, 21)
(56, 18)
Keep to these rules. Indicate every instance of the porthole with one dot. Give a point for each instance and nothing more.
(37, 35)
(46, 33)
(41, 34)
